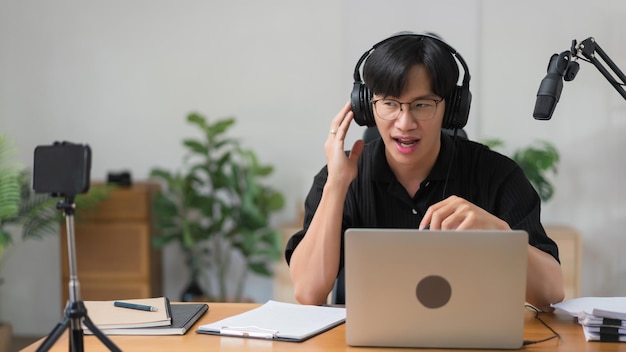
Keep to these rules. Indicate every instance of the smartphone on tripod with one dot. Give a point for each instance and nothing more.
(62, 169)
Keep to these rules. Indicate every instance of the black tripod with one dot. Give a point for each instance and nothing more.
(75, 311)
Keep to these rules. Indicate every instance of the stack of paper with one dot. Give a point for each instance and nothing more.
(599, 326)
(602, 318)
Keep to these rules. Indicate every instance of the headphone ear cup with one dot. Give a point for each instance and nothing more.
(360, 100)
(457, 108)
(463, 110)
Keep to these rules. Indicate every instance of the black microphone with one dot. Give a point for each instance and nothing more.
(551, 86)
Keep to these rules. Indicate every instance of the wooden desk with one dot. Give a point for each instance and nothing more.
(572, 338)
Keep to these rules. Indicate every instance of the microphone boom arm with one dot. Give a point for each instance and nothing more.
(588, 48)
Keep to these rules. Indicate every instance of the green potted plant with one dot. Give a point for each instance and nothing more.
(19, 205)
(215, 208)
(9, 208)
(21, 212)
(537, 161)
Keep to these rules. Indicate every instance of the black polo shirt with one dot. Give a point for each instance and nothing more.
(470, 170)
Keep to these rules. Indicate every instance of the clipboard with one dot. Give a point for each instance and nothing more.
(278, 321)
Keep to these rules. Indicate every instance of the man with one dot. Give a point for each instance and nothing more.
(414, 175)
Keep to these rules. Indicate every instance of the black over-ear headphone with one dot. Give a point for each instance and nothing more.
(457, 104)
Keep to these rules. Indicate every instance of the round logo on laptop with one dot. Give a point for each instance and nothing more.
(433, 291)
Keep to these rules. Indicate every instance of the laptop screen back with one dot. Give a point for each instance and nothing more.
(441, 289)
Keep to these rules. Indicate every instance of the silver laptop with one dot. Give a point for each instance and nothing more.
(437, 289)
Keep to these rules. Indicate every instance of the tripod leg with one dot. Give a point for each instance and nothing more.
(101, 336)
(75, 313)
(76, 335)
(54, 335)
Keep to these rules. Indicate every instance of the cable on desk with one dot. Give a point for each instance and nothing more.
(556, 334)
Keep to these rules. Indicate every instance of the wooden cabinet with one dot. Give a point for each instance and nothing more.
(114, 255)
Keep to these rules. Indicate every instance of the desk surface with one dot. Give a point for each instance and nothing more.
(572, 338)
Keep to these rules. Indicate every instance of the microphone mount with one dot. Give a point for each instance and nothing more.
(588, 48)
(565, 66)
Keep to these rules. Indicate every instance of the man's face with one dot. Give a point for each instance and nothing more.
(409, 142)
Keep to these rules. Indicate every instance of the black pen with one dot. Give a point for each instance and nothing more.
(135, 306)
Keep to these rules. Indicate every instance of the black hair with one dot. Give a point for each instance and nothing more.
(385, 70)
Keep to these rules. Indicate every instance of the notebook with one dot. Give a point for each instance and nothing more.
(184, 315)
(436, 289)
(105, 315)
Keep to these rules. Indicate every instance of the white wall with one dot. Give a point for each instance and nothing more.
(122, 75)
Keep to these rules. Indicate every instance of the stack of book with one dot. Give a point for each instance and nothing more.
(146, 316)
(602, 318)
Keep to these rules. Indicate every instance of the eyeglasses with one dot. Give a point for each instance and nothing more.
(420, 109)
